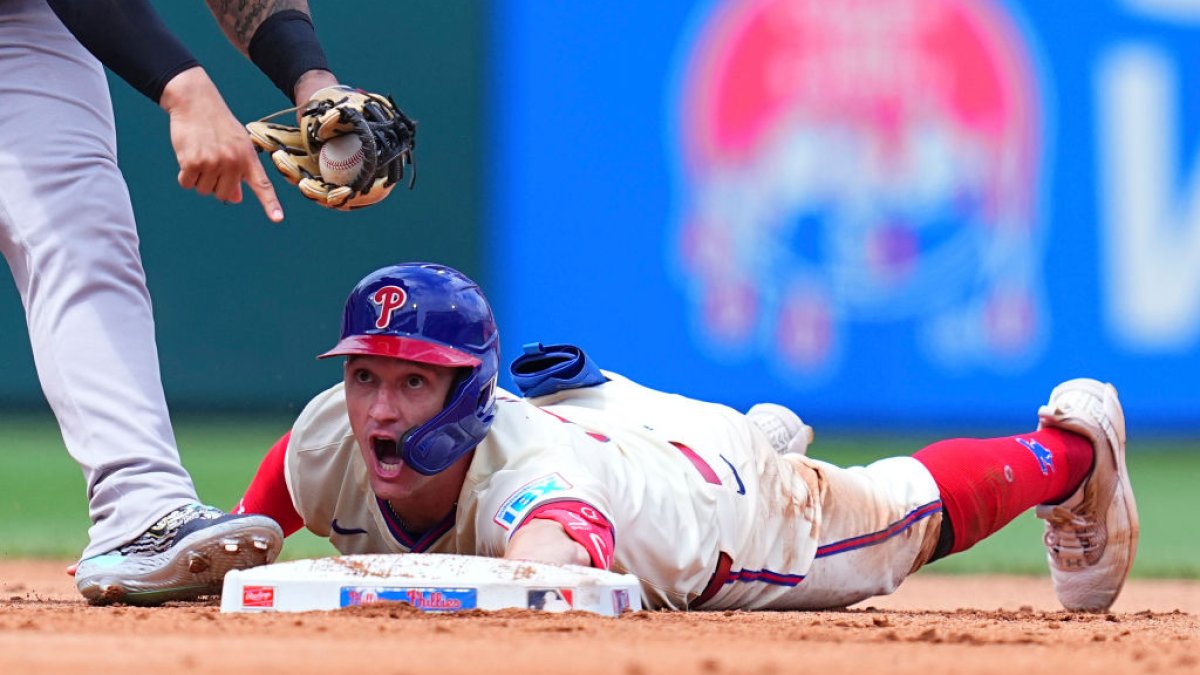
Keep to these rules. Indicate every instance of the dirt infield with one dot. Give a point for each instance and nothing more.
(934, 624)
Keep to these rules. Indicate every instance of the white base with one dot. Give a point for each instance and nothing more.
(430, 582)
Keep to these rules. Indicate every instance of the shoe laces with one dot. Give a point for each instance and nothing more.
(783, 428)
(775, 430)
(1073, 540)
(161, 535)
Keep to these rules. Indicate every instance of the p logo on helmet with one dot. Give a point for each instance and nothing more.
(389, 299)
(433, 314)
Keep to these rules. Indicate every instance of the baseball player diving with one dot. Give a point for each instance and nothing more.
(418, 450)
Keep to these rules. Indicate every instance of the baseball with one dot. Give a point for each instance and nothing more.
(341, 159)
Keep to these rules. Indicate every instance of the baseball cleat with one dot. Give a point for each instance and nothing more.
(1091, 537)
(183, 556)
(785, 430)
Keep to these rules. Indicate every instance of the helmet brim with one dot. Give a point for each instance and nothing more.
(399, 347)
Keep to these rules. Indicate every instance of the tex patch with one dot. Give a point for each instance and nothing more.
(518, 503)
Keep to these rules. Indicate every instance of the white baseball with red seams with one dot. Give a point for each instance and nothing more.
(341, 159)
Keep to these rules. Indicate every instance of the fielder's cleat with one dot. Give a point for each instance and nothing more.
(1091, 537)
(785, 430)
(197, 562)
(183, 556)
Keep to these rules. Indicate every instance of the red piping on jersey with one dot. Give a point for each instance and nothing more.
(599, 437)
(697, 461)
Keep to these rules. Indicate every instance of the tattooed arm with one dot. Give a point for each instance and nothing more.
(278, 36)
(239, 19)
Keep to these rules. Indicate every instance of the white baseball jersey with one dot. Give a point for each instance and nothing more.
(703, 510)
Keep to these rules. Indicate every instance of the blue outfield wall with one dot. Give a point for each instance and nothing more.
(878, 212)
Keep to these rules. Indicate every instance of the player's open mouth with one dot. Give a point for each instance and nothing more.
(387, 456)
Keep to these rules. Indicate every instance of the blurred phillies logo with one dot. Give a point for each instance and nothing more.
(258, 596)
(388, 299)
(854, 162)
(424, 599)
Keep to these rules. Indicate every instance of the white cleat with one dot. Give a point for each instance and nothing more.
(1091, 537)
(786, 431)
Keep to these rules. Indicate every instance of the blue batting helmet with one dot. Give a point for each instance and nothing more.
(430, 314)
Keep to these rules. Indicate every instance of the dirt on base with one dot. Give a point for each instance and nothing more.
(934, 624)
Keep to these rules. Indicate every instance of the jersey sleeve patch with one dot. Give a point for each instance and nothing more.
(584, 524)
(513, 510)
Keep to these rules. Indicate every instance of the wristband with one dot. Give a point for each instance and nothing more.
(585, 525)
(284, 47)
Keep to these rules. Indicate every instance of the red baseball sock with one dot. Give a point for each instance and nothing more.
(985, 483)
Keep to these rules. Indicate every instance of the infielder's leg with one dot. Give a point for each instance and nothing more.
(67, 231)
(69, 238)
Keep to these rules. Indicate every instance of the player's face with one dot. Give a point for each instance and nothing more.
(385, 398)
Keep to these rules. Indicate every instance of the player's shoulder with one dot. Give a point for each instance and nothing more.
(514, 414)
(519, 430)
(323, 422)
(613, 384)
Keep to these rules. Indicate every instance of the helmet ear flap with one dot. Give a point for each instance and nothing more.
(487, 393)
(433, 446)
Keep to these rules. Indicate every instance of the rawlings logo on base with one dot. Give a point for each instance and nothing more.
(258, 596)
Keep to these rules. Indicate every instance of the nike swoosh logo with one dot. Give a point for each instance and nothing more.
(741, 485)
(346, 530)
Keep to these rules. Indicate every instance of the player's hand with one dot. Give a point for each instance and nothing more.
(215, 154)
(543, 540)
(310, 83)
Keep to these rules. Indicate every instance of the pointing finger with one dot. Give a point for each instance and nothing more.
(258, 182)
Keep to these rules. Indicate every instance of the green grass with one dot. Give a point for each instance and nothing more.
(43, 511)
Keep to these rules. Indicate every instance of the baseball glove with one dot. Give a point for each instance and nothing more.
(386, 133)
